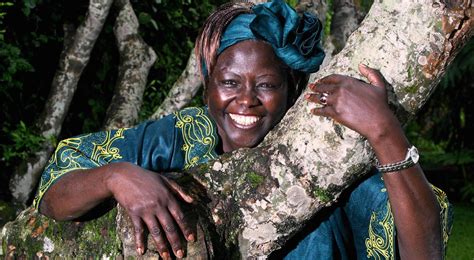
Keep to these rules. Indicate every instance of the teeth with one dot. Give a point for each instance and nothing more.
(244, 120)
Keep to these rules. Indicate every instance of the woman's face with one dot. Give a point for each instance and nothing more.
(247, 93)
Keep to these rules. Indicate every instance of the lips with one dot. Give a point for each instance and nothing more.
(244, 121)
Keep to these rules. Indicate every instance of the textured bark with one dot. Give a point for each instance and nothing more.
(136, 59)
(257, 198)
(345, 20)
(182, 91)
(317, 7)
(74, 58)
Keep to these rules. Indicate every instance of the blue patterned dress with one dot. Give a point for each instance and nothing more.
(359, 226)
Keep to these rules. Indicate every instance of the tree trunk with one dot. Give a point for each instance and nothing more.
(74, 58)
(136, 59)
(257, 198)
(345, 20)
(182, 91)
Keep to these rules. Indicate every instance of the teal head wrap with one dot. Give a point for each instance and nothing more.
(295, 40)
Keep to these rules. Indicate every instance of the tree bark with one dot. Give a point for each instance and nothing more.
(74, 58)
(257, 198)
(345, 20)
(136, 59)
(182, 91)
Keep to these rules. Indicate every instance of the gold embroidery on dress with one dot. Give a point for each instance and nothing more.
(379, 245)
(198, 135)
(444, 215)
(67, 155)
(105, 151)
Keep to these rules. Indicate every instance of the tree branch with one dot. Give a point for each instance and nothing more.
(136, 59)
(182, 91)
(74, 58)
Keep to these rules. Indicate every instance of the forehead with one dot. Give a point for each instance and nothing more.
(249, 55)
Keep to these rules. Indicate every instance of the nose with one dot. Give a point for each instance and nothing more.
(247, 97)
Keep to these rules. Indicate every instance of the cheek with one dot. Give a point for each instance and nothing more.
(277, 103)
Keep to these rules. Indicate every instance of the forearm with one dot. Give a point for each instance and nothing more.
(413, 203)
(77, 192)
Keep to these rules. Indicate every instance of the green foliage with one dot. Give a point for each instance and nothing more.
(11, 64)
(443, 129)
(7, 212)
(24, 143)
(329, 14)
(461, 241)
(2, 14)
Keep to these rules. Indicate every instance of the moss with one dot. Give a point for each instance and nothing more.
(410, 73)
(331, 139)
(254, 179)
(323, 195)
(411, 89)
(356, 168)
(99, 237)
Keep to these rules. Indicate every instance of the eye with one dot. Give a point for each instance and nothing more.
(267, 86)
(229, 83)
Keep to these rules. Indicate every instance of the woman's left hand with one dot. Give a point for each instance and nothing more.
(356, 104)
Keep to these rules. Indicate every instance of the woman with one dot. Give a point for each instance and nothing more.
(253, 61)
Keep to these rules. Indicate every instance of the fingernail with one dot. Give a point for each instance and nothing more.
(191, 237)
(180, 253)
(140, 250)
(307, 96)
(363, 65)
(165, 255)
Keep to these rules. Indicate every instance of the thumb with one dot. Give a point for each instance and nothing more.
(179, 190)
(372, 75)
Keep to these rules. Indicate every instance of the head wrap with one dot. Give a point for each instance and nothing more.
(295, 40)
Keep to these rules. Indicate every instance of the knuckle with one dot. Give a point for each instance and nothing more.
(155, 231)
(139, 229)
(170, 229)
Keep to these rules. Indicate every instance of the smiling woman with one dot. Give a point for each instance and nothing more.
(247, 93)
(254, 60)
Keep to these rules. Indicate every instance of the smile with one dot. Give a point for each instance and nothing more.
(244, 121)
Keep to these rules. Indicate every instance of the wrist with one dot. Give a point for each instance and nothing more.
(111, 176)
(411, 159)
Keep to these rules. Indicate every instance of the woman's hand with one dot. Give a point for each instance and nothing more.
(356, 104)
(149, 199)
(364, 108)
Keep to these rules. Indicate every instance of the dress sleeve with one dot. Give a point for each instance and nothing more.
(371, 220)
(152, 145)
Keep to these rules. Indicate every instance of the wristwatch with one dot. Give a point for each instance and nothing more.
(411, 159)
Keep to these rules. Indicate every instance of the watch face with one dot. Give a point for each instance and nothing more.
(414, 154)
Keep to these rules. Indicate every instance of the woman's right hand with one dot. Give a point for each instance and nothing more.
(149, 199)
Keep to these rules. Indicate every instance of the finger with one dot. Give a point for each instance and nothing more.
(372, 75)
(323, 87)
(139, 234)
(179, 218)
(316, 98)
(179, 190)
(171, 233)
(157, 235)
(331, 79)
(326, 111)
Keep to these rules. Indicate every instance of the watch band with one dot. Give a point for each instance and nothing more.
(411, 159)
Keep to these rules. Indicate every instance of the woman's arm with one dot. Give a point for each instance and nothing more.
(363, 107)
(146, 196)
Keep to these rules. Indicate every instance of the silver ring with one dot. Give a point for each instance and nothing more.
(323, 99)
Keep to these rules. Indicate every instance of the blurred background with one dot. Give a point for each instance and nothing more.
(31, 40)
